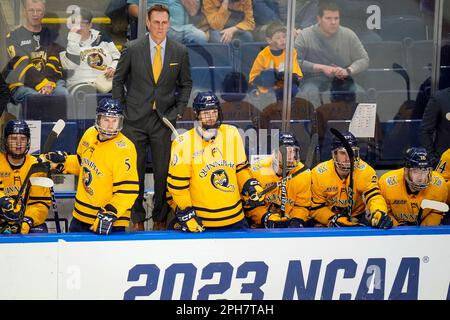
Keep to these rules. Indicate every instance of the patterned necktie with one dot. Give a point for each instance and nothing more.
(157, 63)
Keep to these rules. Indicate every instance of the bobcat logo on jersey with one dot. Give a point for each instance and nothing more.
(87, 180)
(220, 181)
(94, 58)
(38, 59)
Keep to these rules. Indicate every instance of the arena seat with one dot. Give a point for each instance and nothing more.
(248, 53)
(300, 128)
(209, 55)
(209, 78)
(398, 135)
(46, 107)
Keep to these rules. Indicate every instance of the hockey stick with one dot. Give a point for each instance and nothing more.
(36, 167)
(283, 151)
(308, 163)
(32, 181)
(351, 157)
(433, 205)
(167, 123)
(56, 130)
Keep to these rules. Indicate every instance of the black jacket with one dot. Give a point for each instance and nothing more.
(435, 127)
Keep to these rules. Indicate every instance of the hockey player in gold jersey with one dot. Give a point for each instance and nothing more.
(330, 185)
(14, 166)
(405, 188)
(208, 171)
(106, 165)
(443, 168)
(297, 198)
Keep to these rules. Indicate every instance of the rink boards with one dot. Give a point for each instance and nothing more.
(355, 263)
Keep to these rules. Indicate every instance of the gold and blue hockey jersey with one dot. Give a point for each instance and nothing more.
(11, 179)
(404, 207)
(298, 198)
(209, 175)
(107, 175)
(329, 191)
(444, 169)
(34, 58)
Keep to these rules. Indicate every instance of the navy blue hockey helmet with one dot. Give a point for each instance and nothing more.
(110, 108)
(417, 158)
(16, 127)
(207, 100)
(337, 143)
(418, 169)
(288, 140)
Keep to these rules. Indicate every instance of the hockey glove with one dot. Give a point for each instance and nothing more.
(27, 224)
(251, 191)
(380, 220)
(342, 220)
(296, 223)
(189, 222)
(8, 213)
(274, 220)
(104, 222)
(57, 160)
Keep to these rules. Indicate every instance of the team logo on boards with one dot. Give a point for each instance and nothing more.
(220, 181)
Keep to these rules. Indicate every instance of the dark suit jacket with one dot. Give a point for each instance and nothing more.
(435, 128)
(134, 72)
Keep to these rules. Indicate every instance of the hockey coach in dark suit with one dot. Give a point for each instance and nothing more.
(153, 80)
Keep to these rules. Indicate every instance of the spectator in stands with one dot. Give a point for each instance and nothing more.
(106, 165)
(405, 188)
(294, 212)
(34, 65)
(4, 95)
(435, 129)
(328, 50)
(90, 54)
(180, 11)
(331, 205)
(354, 16)
(267, 73)
(153, 79)
(15, 163)
(225, 20)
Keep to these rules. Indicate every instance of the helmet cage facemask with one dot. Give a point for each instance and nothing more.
(293, 158)
(218, 122)
(108, 132)
(410, 173)
(9, 150)
(344, 166)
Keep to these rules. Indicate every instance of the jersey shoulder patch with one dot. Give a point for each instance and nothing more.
(391, 180)
(322, 168)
